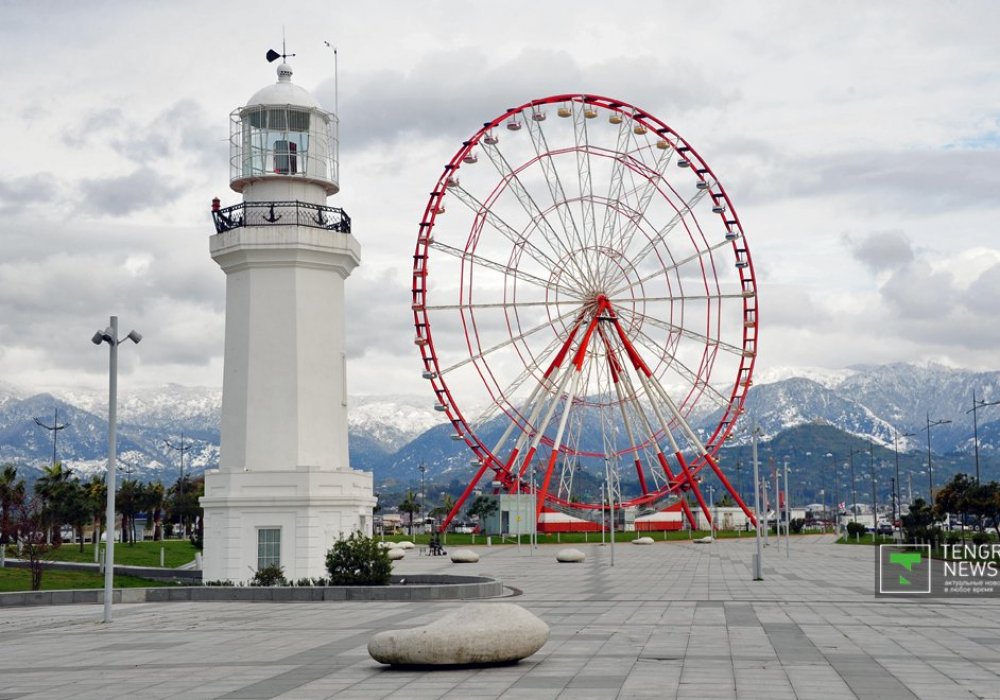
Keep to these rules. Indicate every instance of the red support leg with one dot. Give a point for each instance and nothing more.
(465, 494)
(729, 487)
(694, 487)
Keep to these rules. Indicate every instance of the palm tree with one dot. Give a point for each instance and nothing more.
(12, 493)
(447, 503)
(410, 505)
(129, 502)
(50, 487)
(97, 496)
(153, 498)
(75, 507)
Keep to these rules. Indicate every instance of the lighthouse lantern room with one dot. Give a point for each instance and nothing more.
(284, 490)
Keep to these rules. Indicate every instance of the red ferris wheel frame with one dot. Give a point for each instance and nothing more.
(625, 351)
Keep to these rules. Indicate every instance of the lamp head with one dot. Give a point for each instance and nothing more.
(134, 336)
(98, 338)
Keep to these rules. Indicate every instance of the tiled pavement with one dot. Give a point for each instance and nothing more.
(671, 620)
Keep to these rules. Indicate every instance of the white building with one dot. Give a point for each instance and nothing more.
(284, 490)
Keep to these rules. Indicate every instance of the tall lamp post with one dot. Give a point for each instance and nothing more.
(758, 564)
(930, 468)
(871, 447)
(423, 496)
(976, 405)
(110, 336)
(899, 486)
(181, 447)
(854, 488)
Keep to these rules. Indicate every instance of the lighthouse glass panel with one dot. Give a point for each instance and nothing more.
(275, 141)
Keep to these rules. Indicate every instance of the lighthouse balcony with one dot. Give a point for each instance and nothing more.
(280, 214)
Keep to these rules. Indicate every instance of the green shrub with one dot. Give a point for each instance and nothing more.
(358, 561)
(855, 529)
(980, 538)
(270, 575)
(796, 525)
(953, 538)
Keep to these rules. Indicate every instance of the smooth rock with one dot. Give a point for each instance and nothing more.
(476, 633)
(464, 556)
(396, 553)
(643, 540)
(570, 556)
(405, 544)
(704, 540)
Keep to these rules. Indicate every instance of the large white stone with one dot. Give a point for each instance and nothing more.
(464, 556)
(704, 540)
(396, 553)
(405, 544)
(643, 540)
(570, 556)
(476, 633)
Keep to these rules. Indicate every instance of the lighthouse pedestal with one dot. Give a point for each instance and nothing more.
(297, 514)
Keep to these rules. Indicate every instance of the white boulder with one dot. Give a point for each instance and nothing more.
(476, 633)
(464, 556)
(405, 544)
(643, 540)
(570, 556)
(396, 553)
(704, 540)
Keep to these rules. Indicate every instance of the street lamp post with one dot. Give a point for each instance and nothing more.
(871, 447)
(854, 488)
(758, 565)
(181, 447)
(976, 405)
(423, 497)
(110, 336)
(930, 468)
(899, 485)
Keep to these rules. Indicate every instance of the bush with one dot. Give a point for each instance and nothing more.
(358, 561)
(980, 538)
(796, 525)
(270, 575)
(953, 538)
(855, 529)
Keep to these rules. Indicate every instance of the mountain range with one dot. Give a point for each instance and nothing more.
(392, 436)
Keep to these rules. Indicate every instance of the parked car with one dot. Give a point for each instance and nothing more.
(884, 529)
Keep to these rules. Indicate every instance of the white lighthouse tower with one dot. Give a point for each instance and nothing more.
(284, 490)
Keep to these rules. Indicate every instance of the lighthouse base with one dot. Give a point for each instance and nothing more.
(288, 517)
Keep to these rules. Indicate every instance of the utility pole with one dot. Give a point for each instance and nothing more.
(976, 405)
(55, 428)
(930, 468)
(181, 447)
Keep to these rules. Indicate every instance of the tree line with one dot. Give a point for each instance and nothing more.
(974, 505)
(62, 498)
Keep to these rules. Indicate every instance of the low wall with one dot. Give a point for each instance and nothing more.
(408, 588)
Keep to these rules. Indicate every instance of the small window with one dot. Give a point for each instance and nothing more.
(268, 547)
(285, 158)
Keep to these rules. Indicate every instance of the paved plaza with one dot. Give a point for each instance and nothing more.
(670, 620)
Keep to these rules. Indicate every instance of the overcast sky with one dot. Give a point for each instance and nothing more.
(860, 143)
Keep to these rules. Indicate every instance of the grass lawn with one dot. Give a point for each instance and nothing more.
(176, 553)
(12, 579)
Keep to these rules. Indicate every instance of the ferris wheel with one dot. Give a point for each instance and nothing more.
(585, 307)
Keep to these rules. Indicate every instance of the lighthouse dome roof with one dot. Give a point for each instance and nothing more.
(284, 92)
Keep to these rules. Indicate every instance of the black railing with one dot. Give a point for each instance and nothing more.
(281, 214)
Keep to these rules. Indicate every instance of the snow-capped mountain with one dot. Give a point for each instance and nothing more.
(393, 435)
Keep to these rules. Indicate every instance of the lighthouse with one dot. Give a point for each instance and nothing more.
(284, 490)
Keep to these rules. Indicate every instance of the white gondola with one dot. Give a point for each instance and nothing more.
(420, 341)
(491, 140)
(702, 185)
(440, 407)
(470, 158)
(457, 436)
(440, 210)
(732, 235)
(719, 209)
(513, 125)
(742, 264)
(538, 116)
(451, 182)
(683, 163)
(428, 374)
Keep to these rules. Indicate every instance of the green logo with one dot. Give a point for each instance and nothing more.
(907, 560)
